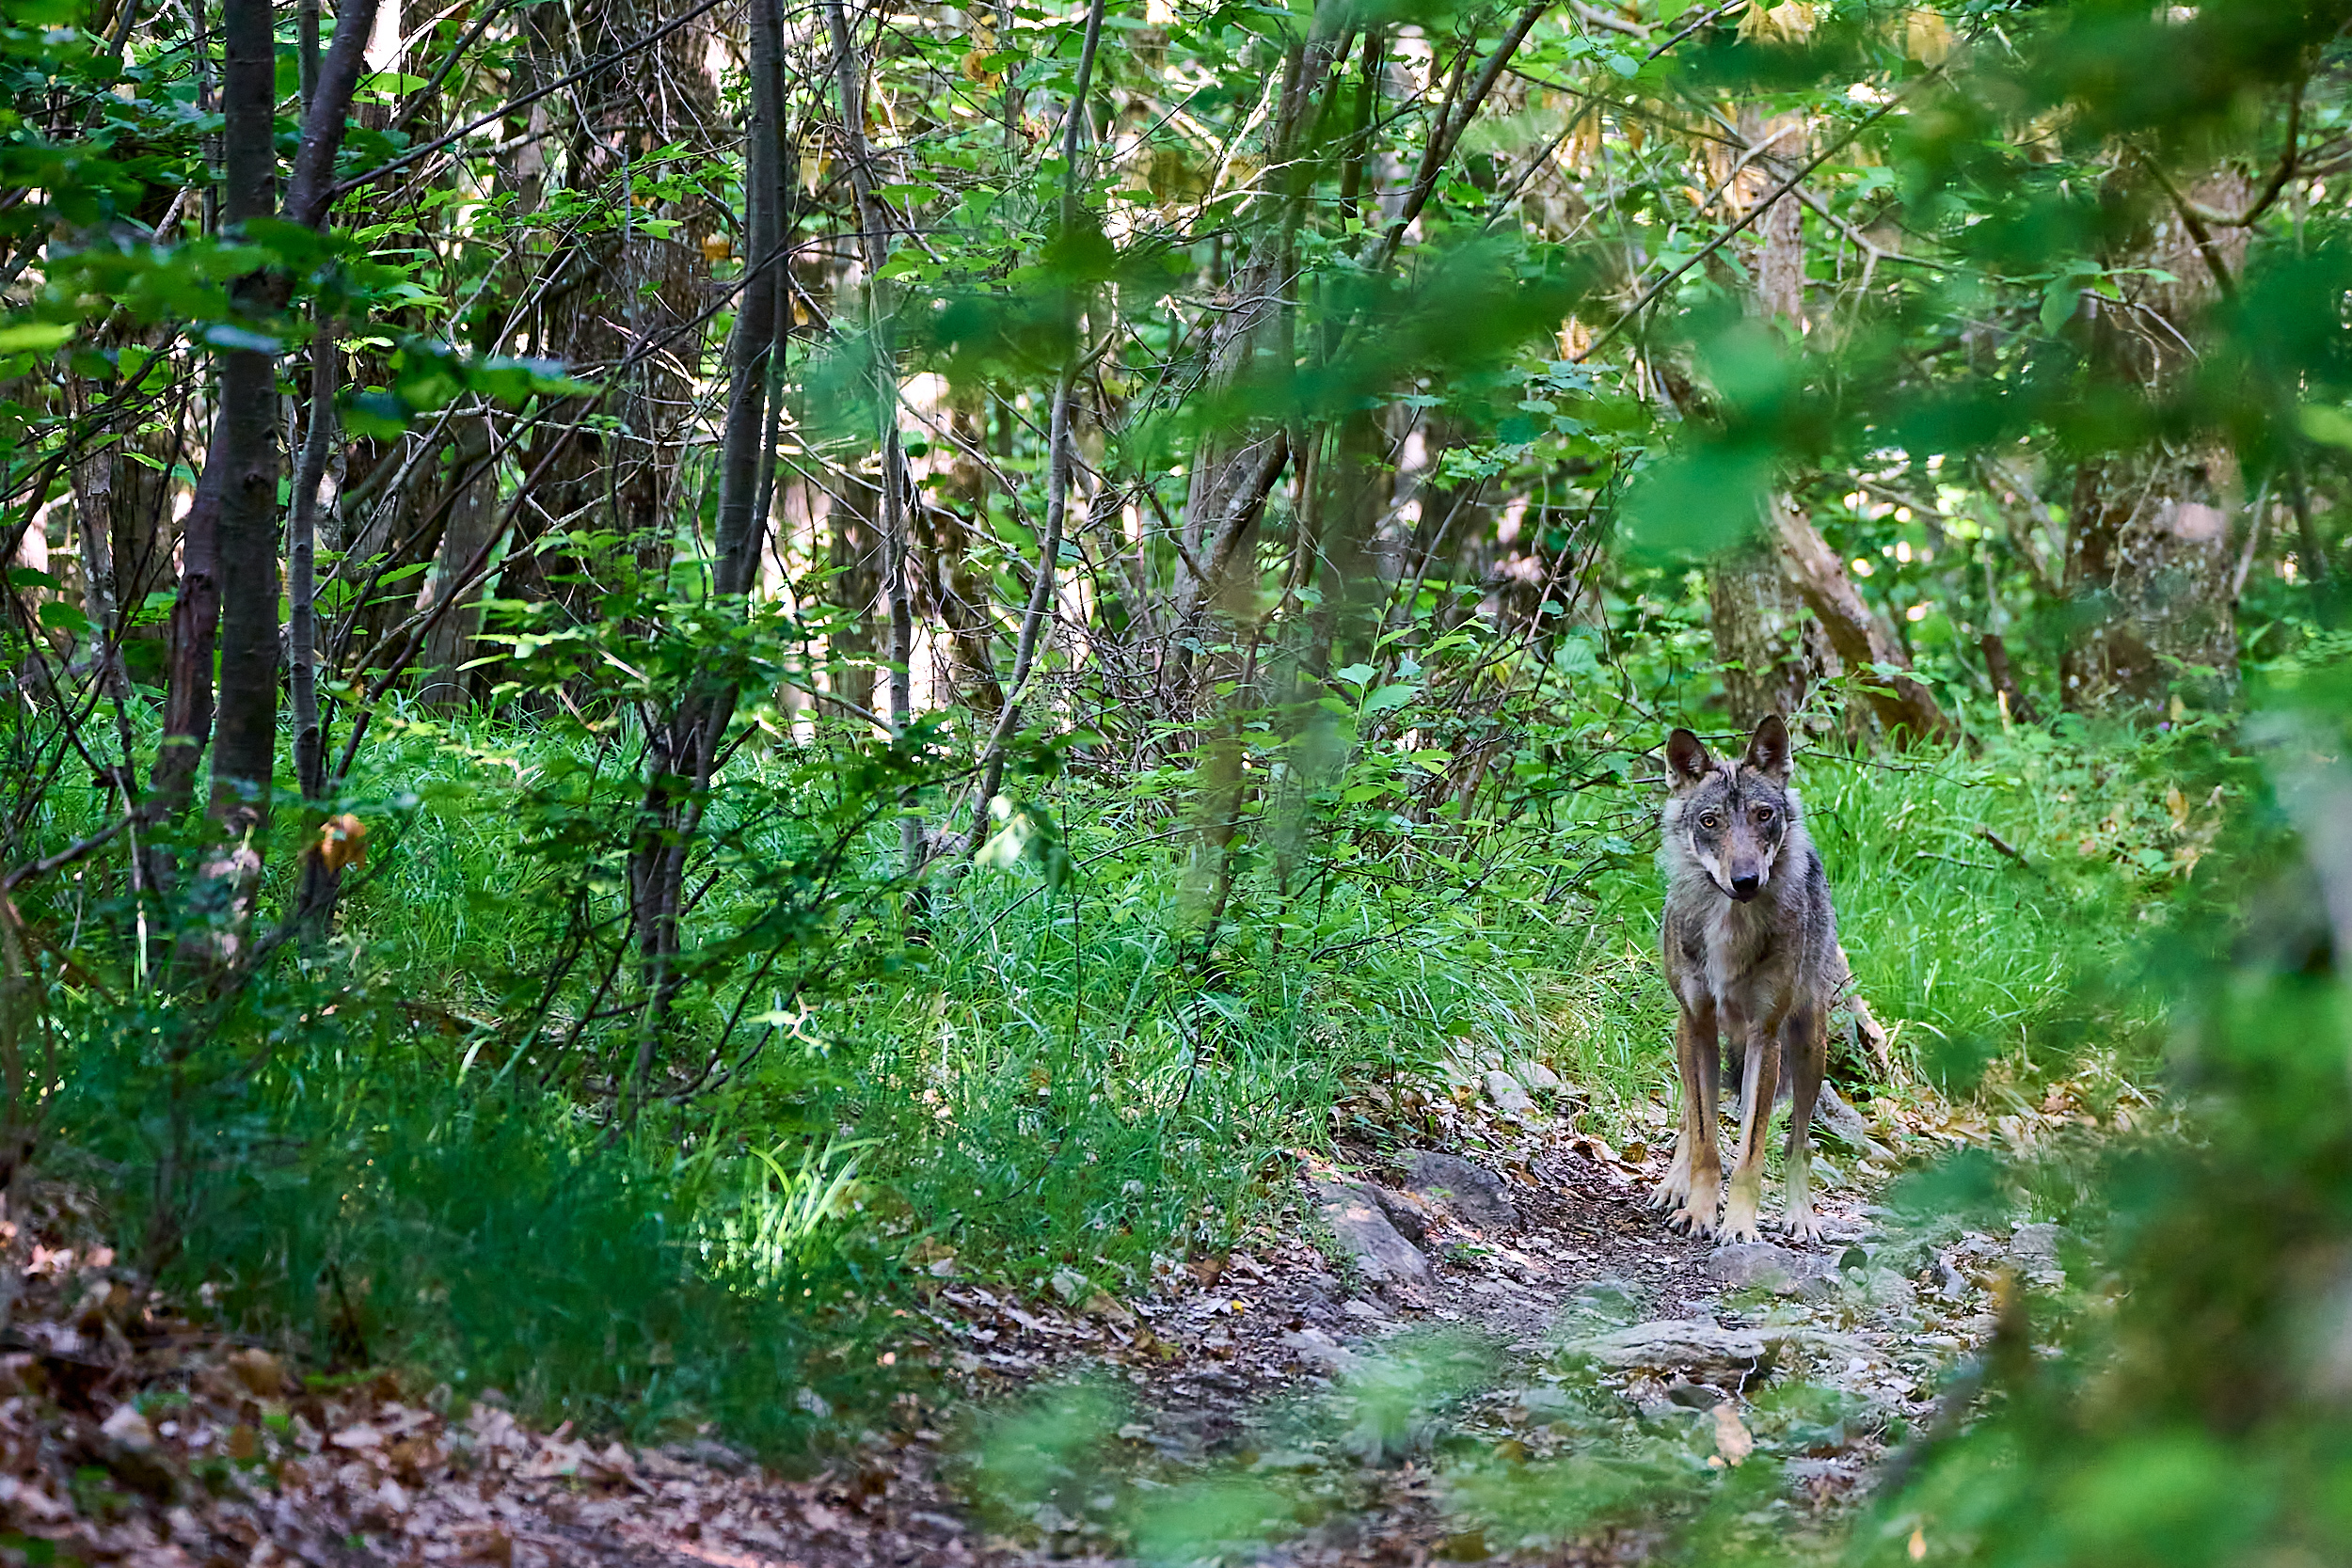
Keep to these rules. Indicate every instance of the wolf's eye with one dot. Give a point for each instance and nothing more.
(1709, 822)
(1763, 814)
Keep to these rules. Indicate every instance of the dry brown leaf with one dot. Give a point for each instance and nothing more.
(342, 841)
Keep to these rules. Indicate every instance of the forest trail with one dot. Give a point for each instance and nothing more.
(1261, 1376)
(1351, 1407)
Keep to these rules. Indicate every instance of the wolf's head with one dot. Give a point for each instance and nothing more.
(1731, 819)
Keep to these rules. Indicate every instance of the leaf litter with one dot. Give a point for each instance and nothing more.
(1264, 1394)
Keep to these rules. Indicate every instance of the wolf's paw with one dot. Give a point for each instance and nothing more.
(1673, 1193)
(1740, 1226)
(1692, 1221)
(1804, 1226)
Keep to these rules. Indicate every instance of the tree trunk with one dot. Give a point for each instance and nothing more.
(610, 486)
(245, 452)
(684, 753)
(1754, 625)
(230, 582)
(1768, 664)
(2151, 554)
(853, 553)
(873, 250)
(443, 683)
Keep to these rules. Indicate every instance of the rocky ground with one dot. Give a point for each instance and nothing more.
(1446, 1357)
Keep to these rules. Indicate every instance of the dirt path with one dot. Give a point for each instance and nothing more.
(1283, 1403)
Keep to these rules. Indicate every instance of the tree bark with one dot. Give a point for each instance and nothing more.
(245, 452)
(1904, 706)
(873, 248)
(230, 590)
(684, 753)
(2151, 552)
(444, 683)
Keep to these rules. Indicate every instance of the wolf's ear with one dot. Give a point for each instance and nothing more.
(1767, 749)
(1687, 761)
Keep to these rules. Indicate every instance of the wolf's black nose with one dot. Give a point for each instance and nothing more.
(1744, 887)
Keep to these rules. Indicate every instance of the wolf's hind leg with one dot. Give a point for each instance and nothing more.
(1805, 1045)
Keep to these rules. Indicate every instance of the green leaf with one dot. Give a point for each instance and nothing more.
(2328, 426)
(33, 337)
(1354, 675)
(226, 335)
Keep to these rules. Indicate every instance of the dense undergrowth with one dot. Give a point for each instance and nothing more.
(408, 1146)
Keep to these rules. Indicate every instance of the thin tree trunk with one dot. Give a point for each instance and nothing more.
(230, 577)
(685, 752)
(873, 250)
(1057, 459)
(245, 450)
(302, 622)
(473, 516)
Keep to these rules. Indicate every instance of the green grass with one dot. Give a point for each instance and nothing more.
(1055, 1079)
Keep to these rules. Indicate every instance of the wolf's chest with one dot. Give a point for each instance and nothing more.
(1737, 955)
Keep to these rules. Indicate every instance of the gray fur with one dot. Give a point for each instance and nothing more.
(1750, 951)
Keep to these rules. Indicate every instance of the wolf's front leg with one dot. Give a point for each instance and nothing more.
(1698, 1052)
(1675, 1191)
(1761, 1083)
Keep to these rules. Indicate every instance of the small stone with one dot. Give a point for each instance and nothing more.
(1540, 1078)
(1107, 1307)
(1760, 1266)
(1678, 1342)
(129, 1428)
(1312, 1344)
(1508, 1097)
(2038, 1243)
(1071, 1284)
(1690, 1343)
(1471, 1191)
(1409, 1215)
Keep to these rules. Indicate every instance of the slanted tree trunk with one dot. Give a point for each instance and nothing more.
(1777, 659)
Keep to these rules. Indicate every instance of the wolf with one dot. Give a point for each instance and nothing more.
(1751, 953)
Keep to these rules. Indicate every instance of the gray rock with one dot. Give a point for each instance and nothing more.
(1474, 1193)
(1760, 1266)
(1540, 1078)
(1409, 1215)
(1355, 1218)
(1883, 1288)
(1677, 1343)
(1508, 1097)
(2037, 1243)
(1313, 1345)
(1690, 1344)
